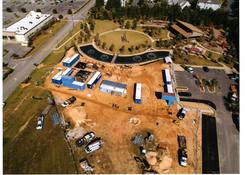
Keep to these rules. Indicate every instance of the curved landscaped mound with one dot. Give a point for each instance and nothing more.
(124, 42)
(148, 56)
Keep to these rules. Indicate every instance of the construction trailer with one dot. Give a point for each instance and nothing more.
(137, 91)
(71, 83)
(167, 76)
(68, 62)
(94, 79)
(169, 94)
(113, 88)
(57, 79)
(67, 72)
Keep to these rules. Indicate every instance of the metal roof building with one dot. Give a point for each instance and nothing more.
(111, 87)
(22, 29)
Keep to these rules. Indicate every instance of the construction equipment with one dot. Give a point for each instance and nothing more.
(182, 152)
(85, 166)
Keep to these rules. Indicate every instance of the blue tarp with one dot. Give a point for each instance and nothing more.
(55, 119)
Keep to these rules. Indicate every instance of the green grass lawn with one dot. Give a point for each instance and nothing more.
(25, 149)
(40, 39)
(212, 55)
(133, 39)
(7, 71)
(104, 25)
(196, 60)
(163, 33)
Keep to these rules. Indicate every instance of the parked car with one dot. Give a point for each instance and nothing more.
(183, 157)
(186, 94)
(189, 69)
(40, 122)
(68, 102)
(181, 114)
(233, 76)
(88, 137)
(35, 64)
(205, 69)
(93, 146)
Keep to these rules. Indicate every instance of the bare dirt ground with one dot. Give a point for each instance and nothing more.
(114, 126)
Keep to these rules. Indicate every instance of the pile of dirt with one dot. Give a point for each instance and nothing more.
(78, 116)
(135, 121)
(165, 164)
(151, 157)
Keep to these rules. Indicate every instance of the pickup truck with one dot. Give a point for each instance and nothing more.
(181, 114)
(93, 146)
(182, 152)
(88, 137)
(68, 102)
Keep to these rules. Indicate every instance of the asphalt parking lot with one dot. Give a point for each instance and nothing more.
(44, 5)
(227, 134)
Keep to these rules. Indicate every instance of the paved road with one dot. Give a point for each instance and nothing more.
(228, 135)
(24, 67)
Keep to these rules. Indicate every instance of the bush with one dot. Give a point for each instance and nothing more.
(69, 11)
(55, 11)
(8, 9)
(60, 16)
(23, 10)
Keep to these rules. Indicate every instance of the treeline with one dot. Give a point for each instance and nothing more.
(161, 10)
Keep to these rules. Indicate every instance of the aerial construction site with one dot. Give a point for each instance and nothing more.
(137, 132)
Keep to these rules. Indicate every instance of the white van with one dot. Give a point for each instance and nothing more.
(93, 146)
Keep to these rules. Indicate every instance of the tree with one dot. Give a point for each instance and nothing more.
(113, 4)
(8, 9)
(112, 47)
(92, 24)
(103, 45)
(60, 16)
(69, 11)
(23, 10)
(86, 28)
(122, 49)
(134, 25)
(128, 25)
(38, 10)
(55, 11)
(99, 3)
(81, 26)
